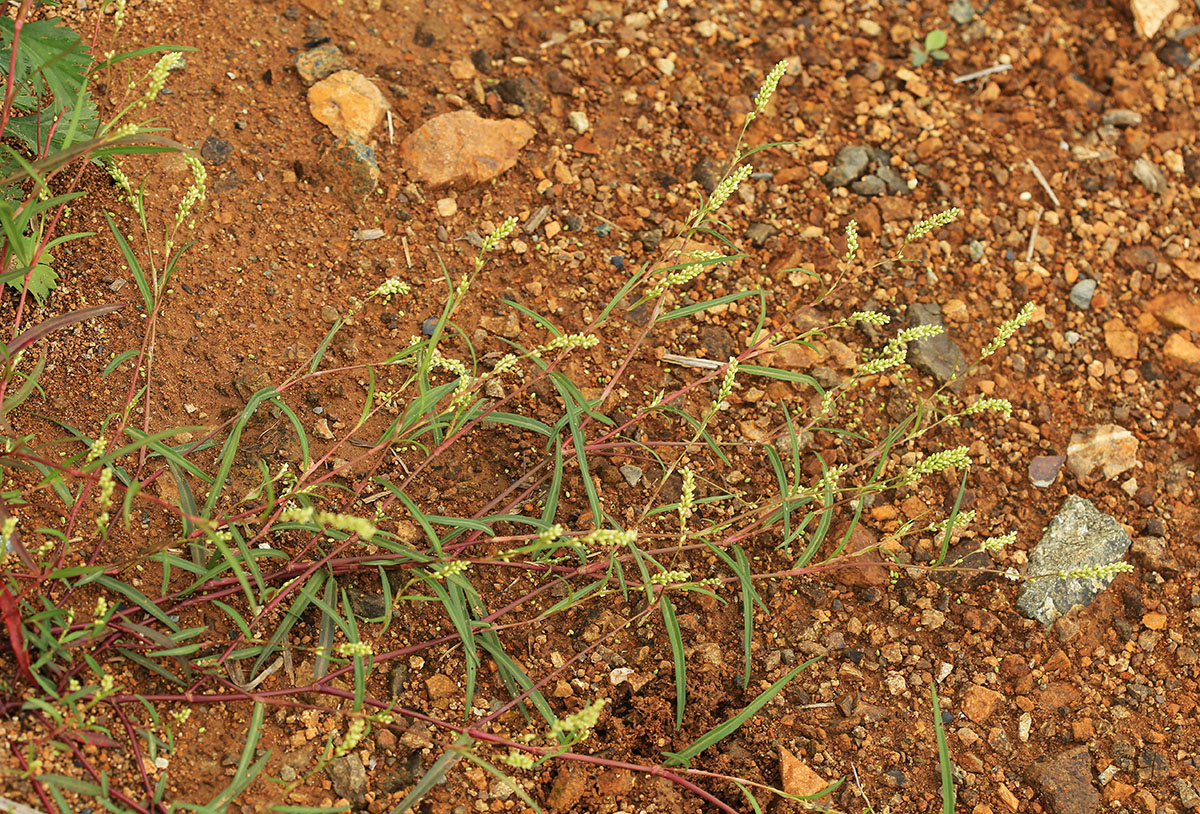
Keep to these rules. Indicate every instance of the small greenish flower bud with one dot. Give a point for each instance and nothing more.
(351, 649)
(997, 543)
(96, 449)
(579, 725)
(727, 187)
(550, 535)
(961, 520)
(609, 537)
(571, 341)
(499, 233)
(829, 480)
(670, 577)
(687, 497)
(931, 223)
(851, 240)
(518, 760)
(1095, 571)
(449, 569)
(390, 288)
(158, 77)
(870, 317)
(994, 405)
(354, 734)
(944, 459)
(727, 381)
(769, 85)
(1007, 329)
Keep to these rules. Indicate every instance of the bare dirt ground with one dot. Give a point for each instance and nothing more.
(1097, 711)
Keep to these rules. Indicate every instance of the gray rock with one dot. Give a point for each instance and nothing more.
(707, 173)
(1081, 293)
(975, 251)
(1119, 117)
(578, 121)
(215, 150)
(349, 779)
(1150, 176)
(520, 90)
(869, 185)
(397, 679)
(961, 11)
(851, 162)
(1108, 447)
(1079, 536)
(1187, 794)
(1066, 782)
(367, 605)
(650, 238)
(631, 473)
(317, 63)
(758, 233)
(894, 180)
(938, 355)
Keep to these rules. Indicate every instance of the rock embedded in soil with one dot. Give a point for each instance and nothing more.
(318, 63)
(1082, 292)
(1149, 175)
(1044, 469)
(980, 702)
(461, 147)
(1079, 536)
(797, 777)
(631, 473)
(1149, 15)
(349, 779)
(216, 150)
(937, 355)
(522, 91)
(850, 164)
(569, 787)
(1182, 352)
(1065, 782)
(348, 104)
(429, 32)
(1108, 447)
(350, 170)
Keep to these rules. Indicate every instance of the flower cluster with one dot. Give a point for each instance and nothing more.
(851, 240)
(390, 288)
(106, 484)
(518, 760)
(727, 187)
(550, 535)
(1094, 571)
(571, 341)
(196, 193)
(896, 350)
(687, 496)
(958, 521)
(936, 462)
(499, 233)
(449, 569)
(579, 724)
(345, 522)
(354, 734)
(931, 223)
(1007, 329)
(96, 449)
(997, 543)
(351, 649)
(727, 381)
(686, 274)
(158, 77)
(769, 85)
(990, 404)
(609, 537)
(670, 577)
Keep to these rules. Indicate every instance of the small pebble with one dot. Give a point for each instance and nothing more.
(447, 207)
(617, 261)
(578, 121)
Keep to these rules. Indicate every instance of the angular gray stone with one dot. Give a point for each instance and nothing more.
(851, 162)
(869, 185)
(1081, 293)
(349, 779)
(961, 11)
(1150, 176)
(937, 355)
(1079, 536)
(894, 180)
(631, 473)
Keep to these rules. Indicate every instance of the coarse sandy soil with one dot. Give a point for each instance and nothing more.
(1097, 711)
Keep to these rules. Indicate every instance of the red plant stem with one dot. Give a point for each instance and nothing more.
(10, 85)
(147, 783)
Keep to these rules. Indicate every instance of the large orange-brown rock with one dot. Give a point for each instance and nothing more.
(347, 103)
(461, 147)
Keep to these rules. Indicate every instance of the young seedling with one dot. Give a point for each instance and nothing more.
(932, 48)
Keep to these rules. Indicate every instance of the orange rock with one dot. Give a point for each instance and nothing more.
(1182, 352)
(1154, 620)
(798, 778)
(348, 103)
